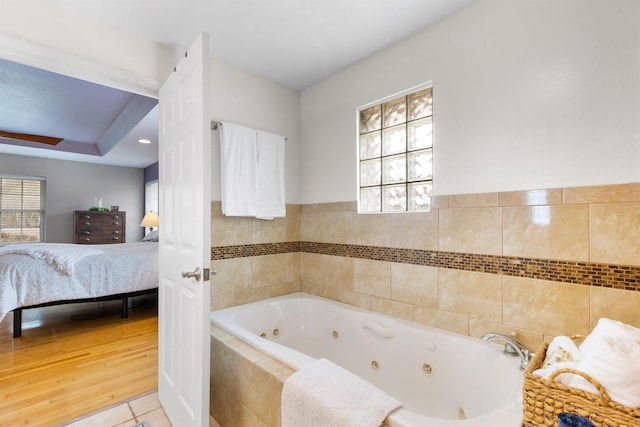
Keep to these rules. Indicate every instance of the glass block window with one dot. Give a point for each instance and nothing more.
(396, 154)
(21, 209)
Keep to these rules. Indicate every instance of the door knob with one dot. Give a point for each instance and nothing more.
(192, 274)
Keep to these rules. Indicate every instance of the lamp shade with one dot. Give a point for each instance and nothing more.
(150, 220)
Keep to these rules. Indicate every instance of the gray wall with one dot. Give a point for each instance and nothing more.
(74, 185)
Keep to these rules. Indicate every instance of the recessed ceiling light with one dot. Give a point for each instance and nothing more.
(144, 141)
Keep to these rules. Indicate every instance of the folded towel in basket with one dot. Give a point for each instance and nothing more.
(610, 328)
(323, 394)
(614, 363)
(609, 355)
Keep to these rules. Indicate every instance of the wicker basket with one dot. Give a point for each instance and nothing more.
(544, 399)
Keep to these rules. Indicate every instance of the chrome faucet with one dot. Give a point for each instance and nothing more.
(512, 347)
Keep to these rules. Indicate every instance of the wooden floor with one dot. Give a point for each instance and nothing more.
(75, 359)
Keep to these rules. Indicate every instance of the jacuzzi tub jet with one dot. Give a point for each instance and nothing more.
(427, 369)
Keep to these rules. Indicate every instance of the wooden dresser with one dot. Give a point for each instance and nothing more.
(93, 227)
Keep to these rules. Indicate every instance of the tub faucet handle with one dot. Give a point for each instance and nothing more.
(512, 347)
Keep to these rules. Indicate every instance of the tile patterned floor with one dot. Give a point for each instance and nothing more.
(127, 414)
(144, 408)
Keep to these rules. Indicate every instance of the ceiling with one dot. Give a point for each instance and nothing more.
(293, 42)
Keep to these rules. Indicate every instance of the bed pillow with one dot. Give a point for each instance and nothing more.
(152, 237)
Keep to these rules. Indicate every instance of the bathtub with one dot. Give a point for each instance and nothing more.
(442, 378)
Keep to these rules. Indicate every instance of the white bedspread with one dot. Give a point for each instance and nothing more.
(113, 269)
(63, 256)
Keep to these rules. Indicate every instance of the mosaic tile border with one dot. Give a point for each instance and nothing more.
(258, 249)
(582, 273)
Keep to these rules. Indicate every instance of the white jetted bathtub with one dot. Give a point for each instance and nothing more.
(441, 378)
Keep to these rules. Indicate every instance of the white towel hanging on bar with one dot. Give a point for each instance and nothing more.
(252, 172)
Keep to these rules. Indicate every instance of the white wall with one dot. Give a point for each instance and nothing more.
(527, 94)
(74, 185)
(246, 99)
(43, 34)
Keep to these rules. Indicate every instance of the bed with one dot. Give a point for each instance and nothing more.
(43, 274)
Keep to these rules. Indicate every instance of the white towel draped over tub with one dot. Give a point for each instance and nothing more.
(252, 172)
(322, 394)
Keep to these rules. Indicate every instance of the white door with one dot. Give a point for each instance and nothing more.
(185, 240)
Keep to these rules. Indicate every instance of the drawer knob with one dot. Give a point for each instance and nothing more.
(86, 217)
(86, 239)
(87, 232)
(87, 223)
(116, 223)
(116, 232)
(116, 238)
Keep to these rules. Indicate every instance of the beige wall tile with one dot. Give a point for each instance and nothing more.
(415, 230)
(550, 232)
(245, 418)
(474, 230)
(327, 227)
(414, 284)
(231, 275)
(392, 308)
(285, 229)
(354, 298)
(293, 265)
(372, 230)
(216, 208)
(327, 270)
(372, 277)
(339, 271)
(293, 223)
(531, 197)
(224, 405)
(269, 231)
(276, 368)
(616, 304)
(472, 294)
(439, 319)
(330, 207)
(440, 202)
(546, 307)
(232, 299)
(284, 288)
(269, 270)
(603, 193)
(246, 351)
(312, 268)
(473, 200)
(615, 233)
(220, 334)
(321, 290)
(230, 231)
(224, 367)
(255, 384)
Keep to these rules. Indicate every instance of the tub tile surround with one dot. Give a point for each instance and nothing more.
(245, 384)
(539, 263)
